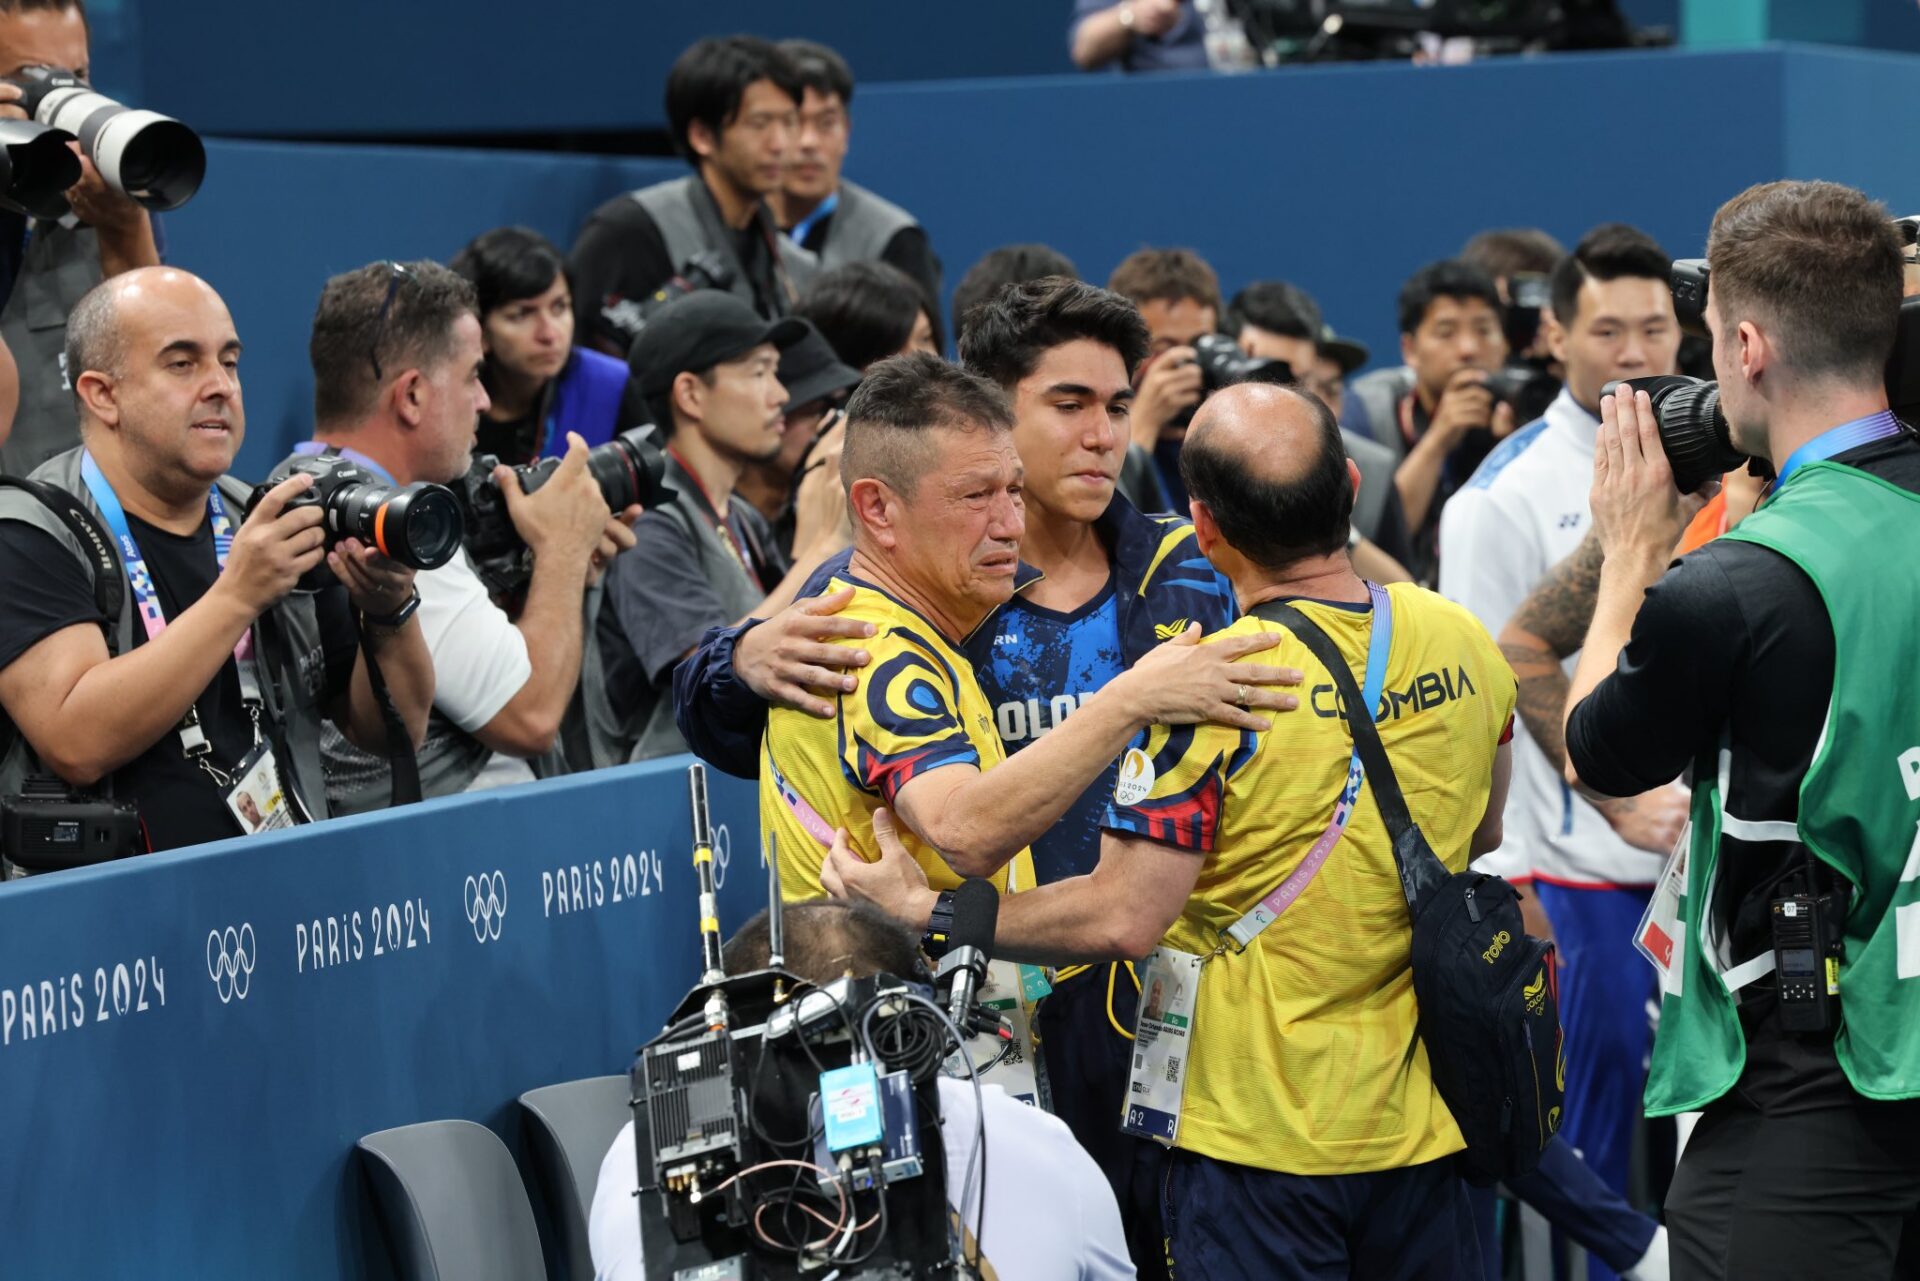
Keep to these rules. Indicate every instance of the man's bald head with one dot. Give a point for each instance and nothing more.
(97, 335)
(1269, 464)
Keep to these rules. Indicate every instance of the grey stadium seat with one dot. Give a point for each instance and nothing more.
(453, 1204)
(572, 1125)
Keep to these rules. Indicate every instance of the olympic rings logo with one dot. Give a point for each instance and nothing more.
(722, 854)
(230, 955)
(486, 899)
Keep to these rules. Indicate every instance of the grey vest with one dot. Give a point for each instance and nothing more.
(650, 729)
(286, 641)
(1377, 464)
(61, 265)
(1380, 393)
(862, 225)
(690, 224)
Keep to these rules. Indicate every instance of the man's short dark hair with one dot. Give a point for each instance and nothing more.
(820, 69)
(509, 264)
(1277, 307)
(47, 6)
(1006, 336)
(709, 79)
(1166, 275)
(865, 310)
(1819, 265)
(1275, 524)
(1506, 252)
(350, 331)
(897, 406)
(1007, 265)
(825, 939)
(1448, 278)
(1611, 251)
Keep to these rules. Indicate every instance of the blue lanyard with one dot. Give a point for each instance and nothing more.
(800, 230)
(1838, 440)
(138, 576)
(353, 456)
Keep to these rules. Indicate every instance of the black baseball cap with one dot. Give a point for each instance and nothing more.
(810, 370)
(705, 328)
(1348, 353)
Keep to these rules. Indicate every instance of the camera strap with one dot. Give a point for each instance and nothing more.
(193, 738)
(402, 764)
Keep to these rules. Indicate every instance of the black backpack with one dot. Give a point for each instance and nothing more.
(1488, 996)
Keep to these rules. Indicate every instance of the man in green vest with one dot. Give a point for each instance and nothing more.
(1779, 662)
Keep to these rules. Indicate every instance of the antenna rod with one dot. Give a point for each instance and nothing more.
(713, 966)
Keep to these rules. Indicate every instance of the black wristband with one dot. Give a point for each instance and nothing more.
(939, 927)
(398, 618)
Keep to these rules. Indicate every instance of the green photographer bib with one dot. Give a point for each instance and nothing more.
(1859, 803)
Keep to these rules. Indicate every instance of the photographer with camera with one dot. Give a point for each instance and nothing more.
(1179, 297)
(733, 105)
(541, 385)
(1048, 1216)
(220, 688)
(1776, 661)
(108, 233)
(709, 372)
(396, 354)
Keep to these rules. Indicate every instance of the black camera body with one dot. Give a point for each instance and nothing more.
(629, 468)
(418, 525)
(705, 270)
(1695, 433)
(48, 827)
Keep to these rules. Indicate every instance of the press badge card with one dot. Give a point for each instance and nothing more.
(1661, 937)
(1162, 1041)
(257, 798)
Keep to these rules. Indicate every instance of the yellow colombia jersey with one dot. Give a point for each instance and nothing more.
(1304, 1057)
(918, 708)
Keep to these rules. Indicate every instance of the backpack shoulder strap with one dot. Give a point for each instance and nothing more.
(94, 543)
(1421, 871)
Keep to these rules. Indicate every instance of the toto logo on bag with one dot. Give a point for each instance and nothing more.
(486, 899)
(230, 956)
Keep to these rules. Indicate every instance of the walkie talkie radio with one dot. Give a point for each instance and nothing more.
(1806, 961)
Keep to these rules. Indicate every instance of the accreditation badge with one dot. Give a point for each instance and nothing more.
(257, 800)
(1162, 1044)
(1661, 937)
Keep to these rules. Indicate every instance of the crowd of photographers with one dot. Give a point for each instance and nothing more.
(564, 510)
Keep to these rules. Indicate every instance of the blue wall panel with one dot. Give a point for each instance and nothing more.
(366, 67)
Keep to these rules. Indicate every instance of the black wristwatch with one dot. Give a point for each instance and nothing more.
(398, 618)
(939, 926)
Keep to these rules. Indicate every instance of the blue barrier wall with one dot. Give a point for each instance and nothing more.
(364, 67)
(1342, 178)
(168, 1116)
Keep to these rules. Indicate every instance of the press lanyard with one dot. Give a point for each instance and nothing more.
(193, 739)
(353, 456)
(799, 232)
(1269, 909)
(1838, 440)
(721, 526)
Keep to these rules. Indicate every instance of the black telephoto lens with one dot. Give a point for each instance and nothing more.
(1693, 432)
(36, 168)
(418, 525)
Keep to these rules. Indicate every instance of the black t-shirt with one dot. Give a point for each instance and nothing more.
(1736, 636)
(514, 441)
(47, 589)
(620, 258)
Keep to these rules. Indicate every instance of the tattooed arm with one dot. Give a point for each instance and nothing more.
(1549, 627)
